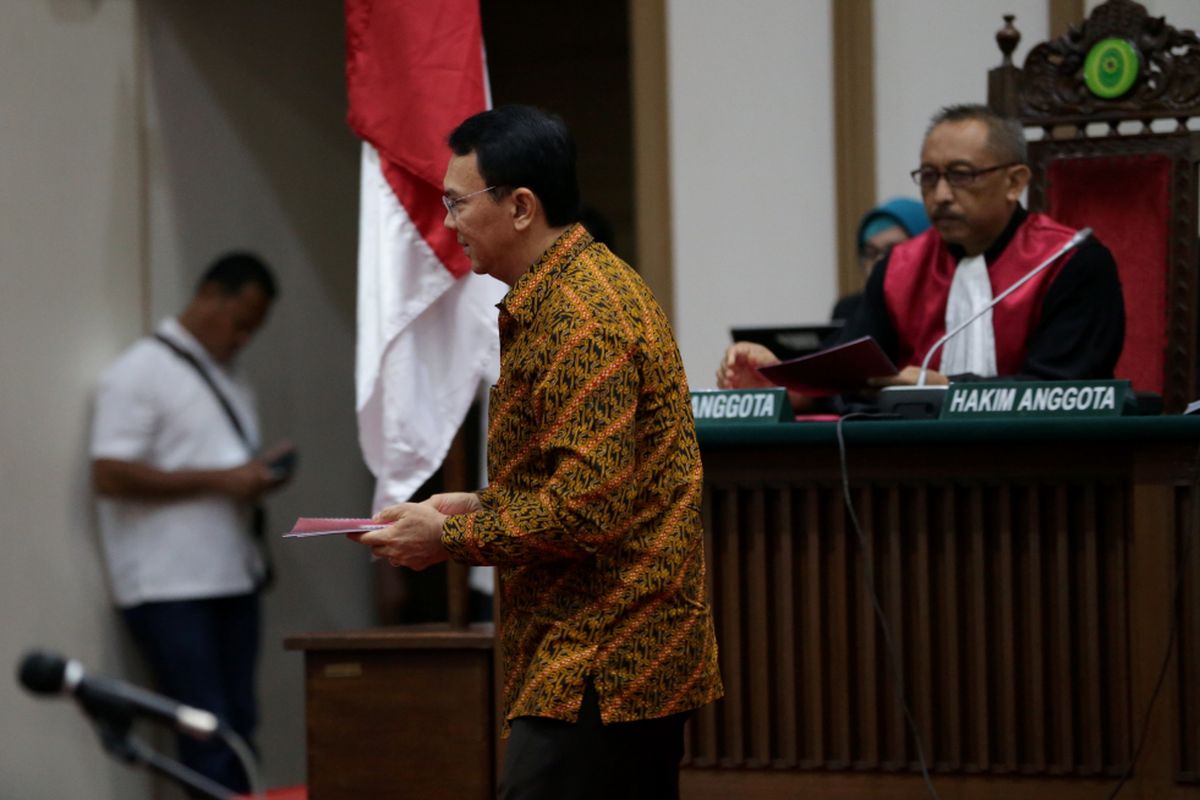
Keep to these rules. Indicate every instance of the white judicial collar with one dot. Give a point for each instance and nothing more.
(974, 349)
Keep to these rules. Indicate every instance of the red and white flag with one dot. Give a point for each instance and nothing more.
(426, 325)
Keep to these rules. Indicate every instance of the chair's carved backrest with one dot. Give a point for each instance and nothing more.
(1112, 99)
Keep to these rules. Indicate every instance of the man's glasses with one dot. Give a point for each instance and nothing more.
(452, 203)
(958, 177)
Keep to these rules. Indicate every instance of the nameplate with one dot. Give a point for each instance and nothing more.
(1025, 399)
(733, 406)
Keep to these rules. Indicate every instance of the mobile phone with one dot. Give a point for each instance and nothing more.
(283, 465)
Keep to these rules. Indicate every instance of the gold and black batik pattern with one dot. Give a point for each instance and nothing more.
(592, 511)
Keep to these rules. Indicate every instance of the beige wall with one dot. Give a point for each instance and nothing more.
(952, 60)
(116, 186)
(69, 259)
(751, 169)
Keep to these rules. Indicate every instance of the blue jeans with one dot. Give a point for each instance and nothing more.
(203, 653)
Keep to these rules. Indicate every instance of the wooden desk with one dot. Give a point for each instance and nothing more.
(1026, 570)
(399, 713)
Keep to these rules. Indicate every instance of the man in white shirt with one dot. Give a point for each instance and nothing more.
(174, 463)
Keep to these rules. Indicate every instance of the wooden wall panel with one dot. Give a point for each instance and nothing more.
(1187, 560)
(1007, 618)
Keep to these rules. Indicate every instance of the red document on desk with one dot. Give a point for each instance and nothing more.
(326, 526)
(844, 368)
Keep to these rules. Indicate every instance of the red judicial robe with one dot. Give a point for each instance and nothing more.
(1067, 323)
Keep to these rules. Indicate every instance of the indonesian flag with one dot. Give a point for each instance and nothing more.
(426, 325)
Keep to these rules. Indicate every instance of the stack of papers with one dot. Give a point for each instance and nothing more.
(325, 526)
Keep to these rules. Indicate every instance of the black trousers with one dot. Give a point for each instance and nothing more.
(548, 759)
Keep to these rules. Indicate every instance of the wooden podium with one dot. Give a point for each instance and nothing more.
(400, 713)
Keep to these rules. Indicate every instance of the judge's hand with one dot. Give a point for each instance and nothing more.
(414, 539)
(909, 376)
(739, 367)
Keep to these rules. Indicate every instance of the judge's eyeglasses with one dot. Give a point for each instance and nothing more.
(958, 177)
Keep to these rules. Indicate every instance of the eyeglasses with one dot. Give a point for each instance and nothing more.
(958, 177)
(452, 203)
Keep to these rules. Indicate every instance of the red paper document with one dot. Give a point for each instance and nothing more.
(844, 368)
(325, 526)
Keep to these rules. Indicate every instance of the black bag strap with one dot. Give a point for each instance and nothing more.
(208, 379)
(258, 523)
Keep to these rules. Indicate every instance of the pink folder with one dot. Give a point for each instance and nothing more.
(326, 526)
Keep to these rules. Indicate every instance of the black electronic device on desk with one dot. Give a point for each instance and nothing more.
(789, 341)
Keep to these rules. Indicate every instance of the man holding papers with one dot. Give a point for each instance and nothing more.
(592, 512)
(1066, 323)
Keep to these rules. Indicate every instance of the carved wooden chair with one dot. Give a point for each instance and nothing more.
(1112, 99)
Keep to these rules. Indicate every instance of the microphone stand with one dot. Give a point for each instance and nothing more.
(927, 400)
(121, 744)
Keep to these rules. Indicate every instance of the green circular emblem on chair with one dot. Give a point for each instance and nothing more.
(1111, 67)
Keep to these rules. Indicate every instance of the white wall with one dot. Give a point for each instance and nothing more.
(929, 54)
(138, 140)
(751, 142)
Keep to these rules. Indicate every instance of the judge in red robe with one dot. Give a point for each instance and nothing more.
(1067, 323)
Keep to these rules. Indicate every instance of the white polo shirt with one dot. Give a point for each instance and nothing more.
(152, 408)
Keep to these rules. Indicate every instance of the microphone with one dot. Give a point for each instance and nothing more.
(923, 400)
(1079, 238)
(46, 674)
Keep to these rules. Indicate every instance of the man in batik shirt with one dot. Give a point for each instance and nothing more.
(592, 512)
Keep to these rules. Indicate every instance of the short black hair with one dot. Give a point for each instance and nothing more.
(232, 271)
(519, 146)
(1006, 137)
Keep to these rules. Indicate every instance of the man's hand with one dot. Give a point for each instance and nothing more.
(414, 539)
(739, 367)
(137, 481)
(451, 503)
(247, 482)
(909, 376)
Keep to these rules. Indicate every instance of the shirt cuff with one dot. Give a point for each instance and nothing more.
(460, 540)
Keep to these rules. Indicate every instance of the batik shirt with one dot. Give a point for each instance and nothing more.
(592, 512)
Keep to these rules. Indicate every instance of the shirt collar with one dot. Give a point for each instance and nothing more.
(997, 247)
(531, 289)
(172, 329)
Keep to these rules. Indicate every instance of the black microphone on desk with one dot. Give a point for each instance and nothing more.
(47, 674)
(926, 400)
